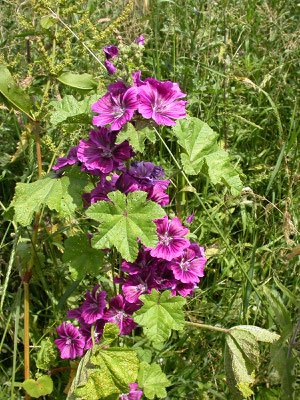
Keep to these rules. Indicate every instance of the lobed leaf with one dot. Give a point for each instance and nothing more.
(136, 138)
(60, 194)
(123, 221)
(202, 153)
(40, 387)
(81, 257)
(110, 371)
(159, 314)
(152, 380)
(69, 110)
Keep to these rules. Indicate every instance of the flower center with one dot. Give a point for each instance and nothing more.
(184, 265)
(69, 341)
(119, 316)
(166, 240)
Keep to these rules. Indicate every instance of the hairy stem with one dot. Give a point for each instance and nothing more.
(204, 326)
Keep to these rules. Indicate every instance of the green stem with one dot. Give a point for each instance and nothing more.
(18, 303)
(210, 217)
(204, 326)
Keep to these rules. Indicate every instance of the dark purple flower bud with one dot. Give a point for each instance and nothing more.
(140, 40)
(111, 69)
(71, 344)
(190, 218)
(110, 52)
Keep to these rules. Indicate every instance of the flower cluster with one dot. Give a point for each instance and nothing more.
(174, 263)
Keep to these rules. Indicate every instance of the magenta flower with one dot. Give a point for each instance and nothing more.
(140, 40)
(71, 344)
(116, 107)
(118, 313)
(100, 152)
(190, 218)
(134, 286)
(94, 306)
(188, 267)
(136, 77)
(158, 101)
(111, 69)
(171, 243)
(101, 190)
(133, 393)
(110, 52)
(184, 289)
(69, 160)
(86, 331)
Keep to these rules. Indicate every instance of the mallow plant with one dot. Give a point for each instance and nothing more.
(129, 236)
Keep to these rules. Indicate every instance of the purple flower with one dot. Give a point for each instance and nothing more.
(101, 190)
(134, 286)
(140, 40)
(190, 218)
(100, 152)
(116, 107)
(143, 260)
(184, 289)
(127, 184)
(86, 331)
(158, 101)
(188, 268)
(110, 51)
(71, 344)
(111, 69)
(136, 77)
(158, 195)
(171, 243)
(69, 160)
(118, 313)
(133, 393)
(94, 306)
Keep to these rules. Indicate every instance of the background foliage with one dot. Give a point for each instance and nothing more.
(238, 62)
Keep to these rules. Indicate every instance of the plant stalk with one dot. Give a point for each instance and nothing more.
(204, 326)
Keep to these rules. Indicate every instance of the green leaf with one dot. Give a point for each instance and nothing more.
(69, 110)
(110, 333)
(81, 257)
(284, 363)
(159, 314)
(60, 194)
(13, 93)
(79, 81)
(280, 311)
(204, 154)
(118, 368)
(241, 357)
(260, 334)
(123, 221)
(136, 138)
(152, 380)
(47, 21)
(41, 387)
(46, 355)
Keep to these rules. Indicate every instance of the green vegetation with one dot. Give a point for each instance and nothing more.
(238, 61)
